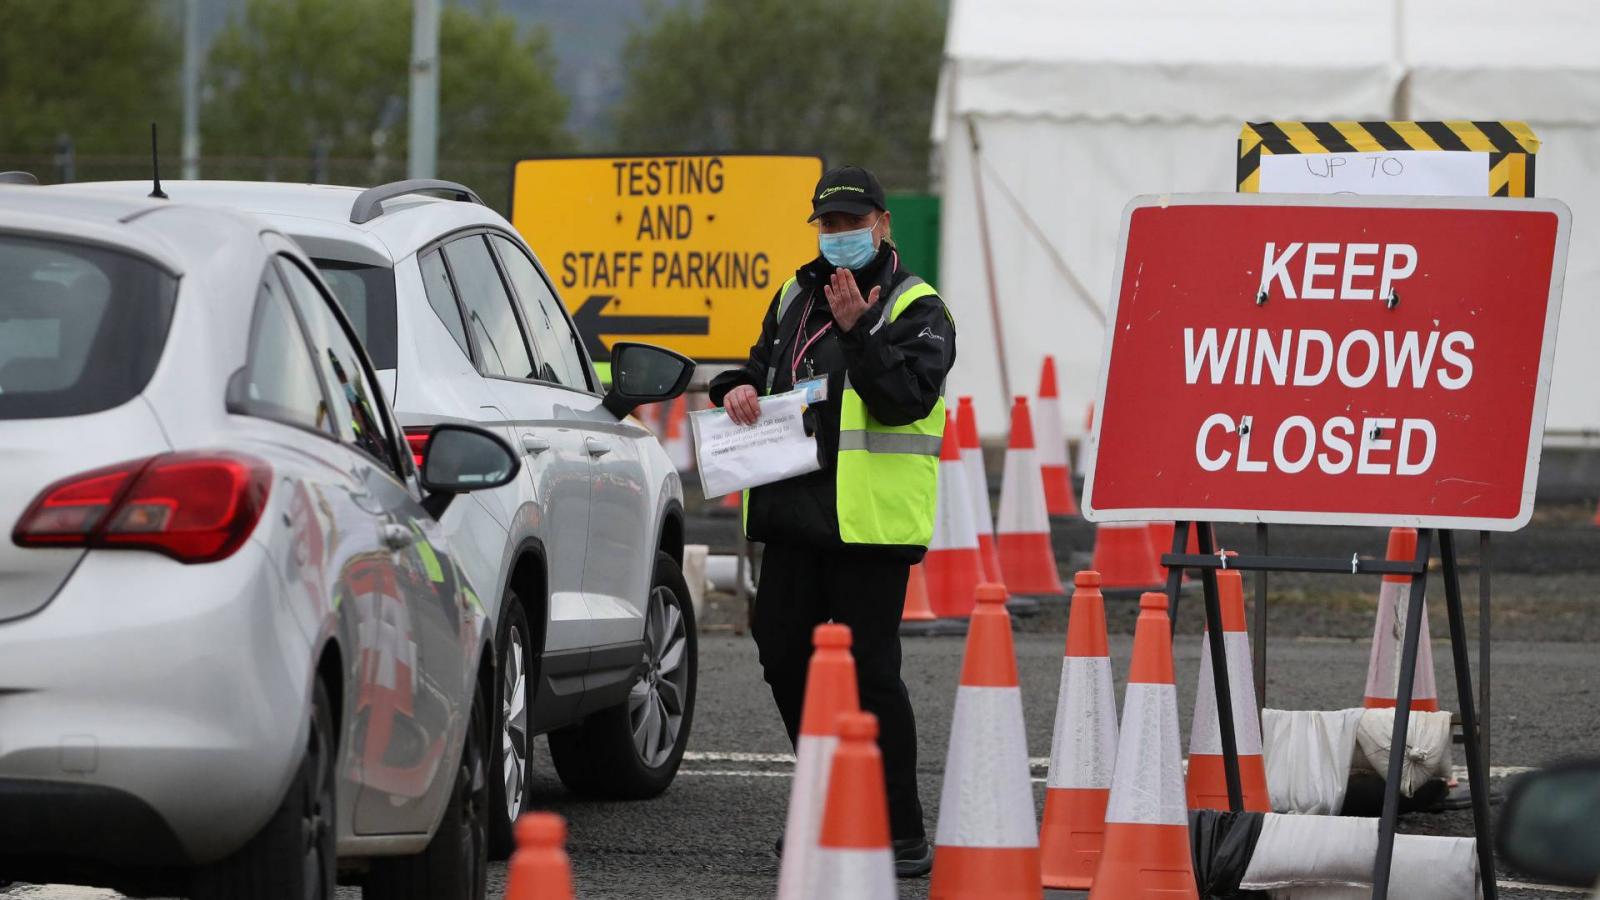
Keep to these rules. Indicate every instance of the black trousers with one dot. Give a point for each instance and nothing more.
(802, 587)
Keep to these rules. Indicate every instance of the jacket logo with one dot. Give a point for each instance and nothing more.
(927, 332)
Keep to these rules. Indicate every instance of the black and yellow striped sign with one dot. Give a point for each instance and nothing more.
(1511, 146)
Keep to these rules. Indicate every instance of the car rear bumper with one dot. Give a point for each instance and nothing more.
(162, 702)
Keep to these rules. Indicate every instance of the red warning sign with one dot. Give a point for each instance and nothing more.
(1333, 360)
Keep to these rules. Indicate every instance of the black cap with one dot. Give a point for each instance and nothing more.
(849, 189)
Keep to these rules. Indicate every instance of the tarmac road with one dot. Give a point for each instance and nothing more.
(711, 834)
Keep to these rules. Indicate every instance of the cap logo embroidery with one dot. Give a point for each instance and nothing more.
(839, 187)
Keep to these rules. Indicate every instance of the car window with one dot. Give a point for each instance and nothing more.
(280, 382)
(355, 399)
(367, 295)
(442, 297)
(81, 328)
(489, 315)
(559, 360)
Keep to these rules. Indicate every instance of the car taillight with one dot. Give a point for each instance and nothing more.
(193, 507)
(417, 439)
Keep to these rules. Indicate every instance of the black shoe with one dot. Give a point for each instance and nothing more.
(913, 857)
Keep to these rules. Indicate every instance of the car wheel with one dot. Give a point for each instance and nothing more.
(292, 858)
(455, 864)
(508, 789)
(632, 751)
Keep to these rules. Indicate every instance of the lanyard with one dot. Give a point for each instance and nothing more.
(803, 344)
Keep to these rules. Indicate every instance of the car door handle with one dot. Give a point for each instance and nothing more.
(534, 445)
(397, 537)
(596, 446)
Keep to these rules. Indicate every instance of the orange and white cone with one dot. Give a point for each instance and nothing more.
(987, 842)
(1208, 783)
(680, 449)
(540, 870)
(1147, 855)
(1388, 637)
(1027, 558)
(830, 692)
(953, 565)
(1053, 466)
(978, 488)
(1082, 459)
(917, 614)
(1125, 559)
(854, 858)
(1083, 751)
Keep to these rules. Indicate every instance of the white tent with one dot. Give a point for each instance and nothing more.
(1076, 106)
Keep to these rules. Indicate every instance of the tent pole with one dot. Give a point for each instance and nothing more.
(988, 266)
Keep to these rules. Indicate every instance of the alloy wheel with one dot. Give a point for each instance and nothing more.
(514, 725)
(656, 701)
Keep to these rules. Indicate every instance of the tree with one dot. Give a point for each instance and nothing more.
(293, 75)
(98, 70)
(853, 80)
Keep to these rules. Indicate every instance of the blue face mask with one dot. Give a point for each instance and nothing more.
(848, 249)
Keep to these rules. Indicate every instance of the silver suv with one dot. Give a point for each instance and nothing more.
(580, 558)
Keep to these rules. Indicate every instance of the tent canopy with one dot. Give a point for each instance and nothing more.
(1075, 107)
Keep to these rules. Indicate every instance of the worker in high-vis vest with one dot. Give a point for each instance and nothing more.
(873, 343)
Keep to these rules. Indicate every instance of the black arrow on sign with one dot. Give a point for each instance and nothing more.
(592, 322)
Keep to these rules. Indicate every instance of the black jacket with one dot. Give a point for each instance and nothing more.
(899, 371)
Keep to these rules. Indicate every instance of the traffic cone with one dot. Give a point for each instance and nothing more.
(917, 619)
(1207, 783)
(1082, 458)
(987, 842)
(1147, 827)
(540, 870)
(830, 692)
(1053, 466)
(1083, 751)
(854, 858)
(1026, 556)
(978, 487)
(1388, 633)
(1124, 558)
(680, 449)
(953, 566)
(1161, 541)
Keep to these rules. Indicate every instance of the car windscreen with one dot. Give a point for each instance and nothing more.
(367, 295)
(81, 326)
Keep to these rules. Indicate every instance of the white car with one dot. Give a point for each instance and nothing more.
(581, 558)
(238, 658)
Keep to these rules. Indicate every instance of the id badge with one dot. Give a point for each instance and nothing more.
(816, 388)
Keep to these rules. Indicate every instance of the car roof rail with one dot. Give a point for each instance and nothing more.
(369, 204)
(18, 177)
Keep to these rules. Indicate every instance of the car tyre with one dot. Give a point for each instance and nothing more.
(455, 864)
(632, 751)
(293, 856)
(508, 788)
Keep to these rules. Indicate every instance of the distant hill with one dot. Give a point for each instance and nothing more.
(587, 35)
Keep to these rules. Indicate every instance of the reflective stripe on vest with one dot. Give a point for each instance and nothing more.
(788, 294)
(887, 476)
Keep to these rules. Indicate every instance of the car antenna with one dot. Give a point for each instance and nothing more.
(155, 166)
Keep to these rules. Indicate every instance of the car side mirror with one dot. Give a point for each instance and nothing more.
(643, 373)
(1551, 824)
(459, 459)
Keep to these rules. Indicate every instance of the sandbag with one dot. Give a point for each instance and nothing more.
(1308, 754)
(1331, 858)
(1427, 756)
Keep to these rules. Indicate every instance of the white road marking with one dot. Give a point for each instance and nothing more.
(1037, 762)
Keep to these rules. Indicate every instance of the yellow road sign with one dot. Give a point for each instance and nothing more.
(681, 251)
